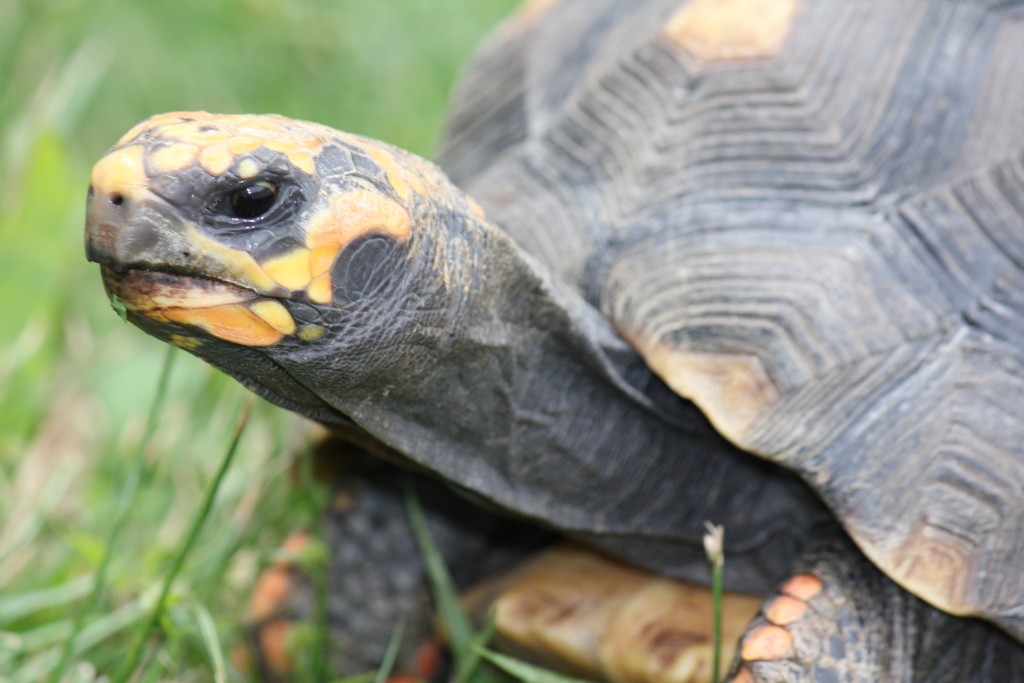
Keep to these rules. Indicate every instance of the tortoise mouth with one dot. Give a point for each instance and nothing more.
(144, 290)
(216, 308)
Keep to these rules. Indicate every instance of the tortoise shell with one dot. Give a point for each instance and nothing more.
(808, 218)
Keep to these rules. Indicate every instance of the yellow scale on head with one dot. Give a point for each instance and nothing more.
(350, 215)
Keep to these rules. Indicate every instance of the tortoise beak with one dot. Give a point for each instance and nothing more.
(127, 225)
(123, 232)
(131, 227)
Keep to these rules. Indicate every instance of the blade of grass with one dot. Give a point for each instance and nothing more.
(124, 506)
(528, 673)
(86, 638)
(135, 653)
(454, 619)
(714, 547)
(460, 632)
(317, 573)
(28, 529)
(479, 642)
(211, 641)
(716, 589)
(18, 606)
(367, 677)
(388, 663)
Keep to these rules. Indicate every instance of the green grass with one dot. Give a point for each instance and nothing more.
(76, 383)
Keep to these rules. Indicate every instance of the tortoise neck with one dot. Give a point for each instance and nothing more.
(529, 399)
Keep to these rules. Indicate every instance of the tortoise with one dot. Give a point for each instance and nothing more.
(757, 262)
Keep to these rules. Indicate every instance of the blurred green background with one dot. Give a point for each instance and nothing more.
(75, 383)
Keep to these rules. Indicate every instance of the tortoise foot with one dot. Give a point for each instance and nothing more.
(584, 614)
(279, 602)
(839, 619)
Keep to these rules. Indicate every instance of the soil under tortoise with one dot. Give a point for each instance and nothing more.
(751, 261)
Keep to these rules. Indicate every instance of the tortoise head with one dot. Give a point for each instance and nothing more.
(275, 248)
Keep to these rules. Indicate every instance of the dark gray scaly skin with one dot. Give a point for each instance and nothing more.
(847, 214)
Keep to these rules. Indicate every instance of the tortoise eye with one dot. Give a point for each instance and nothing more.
(252, 201)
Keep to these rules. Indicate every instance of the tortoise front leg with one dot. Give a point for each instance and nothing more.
(839, 619)
(375, 578)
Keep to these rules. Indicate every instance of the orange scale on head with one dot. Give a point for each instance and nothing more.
(209, 134)
(174, 157)
(178, 131)
(351, 215)
(261, 125)
(240, 144)
(321, 259)
(303, 161)
(154, 122)
(299, 153)
(354, 214)
(216, 159)
(290, 270)
(319, 289)
(233, 323)
(121, 173)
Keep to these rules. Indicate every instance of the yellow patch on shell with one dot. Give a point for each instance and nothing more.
(717, 30)
(350, 215)
(275, 314)
(531, 11)
(291, 270)
(173, 157)
(233, 323)
(732, 390)
(933, 564)
(122, 172)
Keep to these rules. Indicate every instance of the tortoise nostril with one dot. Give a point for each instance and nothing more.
(117, 199)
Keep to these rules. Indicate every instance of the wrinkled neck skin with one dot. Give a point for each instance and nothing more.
(509, 385)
